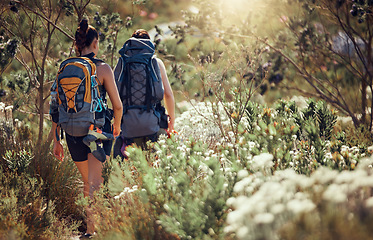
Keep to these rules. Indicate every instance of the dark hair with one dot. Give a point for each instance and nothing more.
(141, 33)
(84, 36)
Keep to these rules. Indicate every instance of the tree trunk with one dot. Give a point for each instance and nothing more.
(41, 112)
(364, 86)
(371, 113)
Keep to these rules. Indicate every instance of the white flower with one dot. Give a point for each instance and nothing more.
(234, 217)
(300, 196)
(365, 163)
(273, 189)
(242, 173)
(366, 181)
(262, 161)
(251, 145)
(324, 175)
(277, 208)
(344, 149)
(349, 177)
(335, 193)
(305, 182)
(264, 218)
(8, 108)
(240, 186)
(249, 189)
(328, 155)
(369, 202)
(230, 201)
(354, 150)
(300, 206)
(231, 134)
(242, 232)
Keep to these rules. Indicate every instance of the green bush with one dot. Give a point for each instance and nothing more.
(38, 192)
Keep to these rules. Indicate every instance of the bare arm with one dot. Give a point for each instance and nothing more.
(105, 74)
(168, 95)
(57, 146)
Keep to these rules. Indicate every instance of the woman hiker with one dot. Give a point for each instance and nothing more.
(89, 166)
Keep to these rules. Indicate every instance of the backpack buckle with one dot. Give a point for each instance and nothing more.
(94, 83)
(96, 106)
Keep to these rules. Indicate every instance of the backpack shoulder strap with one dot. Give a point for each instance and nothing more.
(91, 56)
(93, 66)
(77, 62)
(121, 77)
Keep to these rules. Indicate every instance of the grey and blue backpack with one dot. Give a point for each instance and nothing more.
(140, 88)
(76, 102)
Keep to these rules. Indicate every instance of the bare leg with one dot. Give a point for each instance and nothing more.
(95, 180)
(91, 172)
(83, 169)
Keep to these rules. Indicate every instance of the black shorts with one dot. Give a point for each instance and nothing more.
(79, 151)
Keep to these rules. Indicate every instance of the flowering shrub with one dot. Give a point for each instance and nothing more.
(185, 186)
(201, 123)
(299, 139)
(265, 206)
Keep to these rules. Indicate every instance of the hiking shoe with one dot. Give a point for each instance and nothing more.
(97, 150)
(94, 141)
(96, 134)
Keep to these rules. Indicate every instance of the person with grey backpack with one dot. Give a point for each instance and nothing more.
(142, 84)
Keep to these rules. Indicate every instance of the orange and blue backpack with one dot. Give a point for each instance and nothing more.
(76, 103)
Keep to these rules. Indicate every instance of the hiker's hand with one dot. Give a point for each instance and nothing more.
(116, 131)
(170, 126)
(58, 151)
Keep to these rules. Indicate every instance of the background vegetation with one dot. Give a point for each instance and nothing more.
(274, 119)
